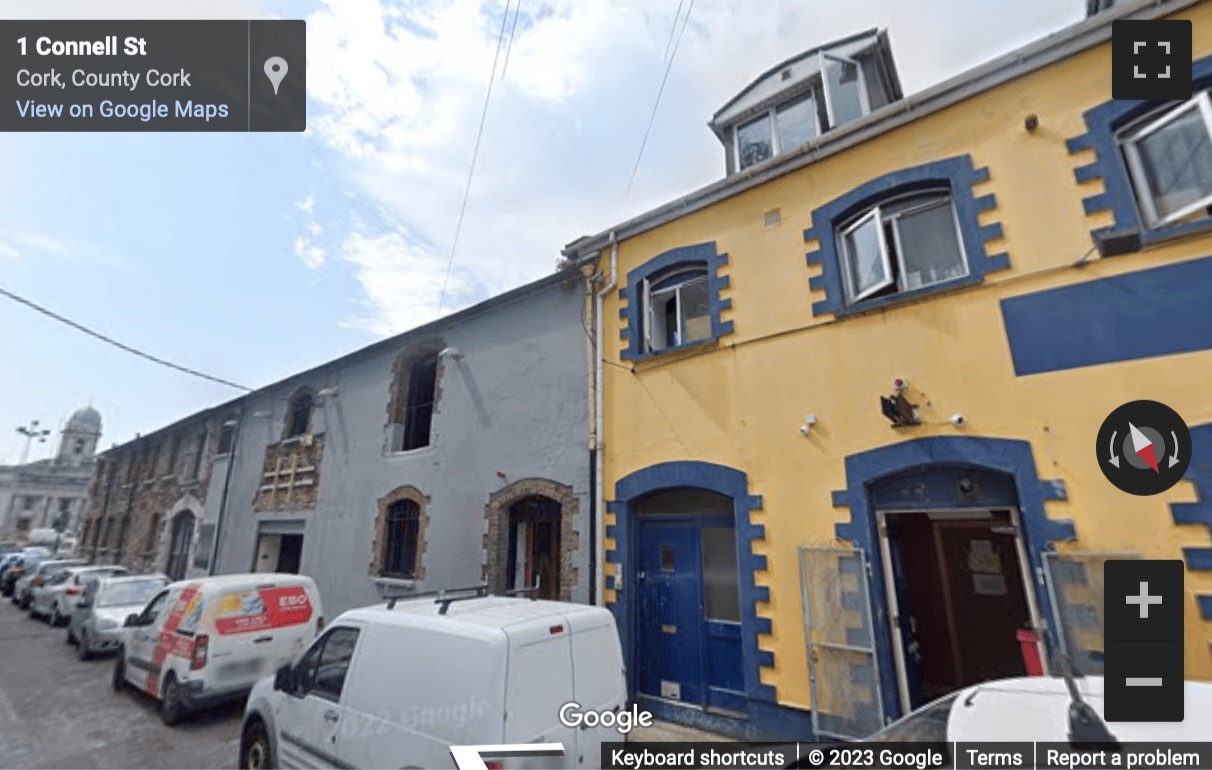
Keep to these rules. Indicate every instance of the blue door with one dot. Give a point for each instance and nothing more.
(688, 644)
(670, 645)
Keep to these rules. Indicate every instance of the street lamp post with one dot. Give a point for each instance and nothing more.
(31, 432)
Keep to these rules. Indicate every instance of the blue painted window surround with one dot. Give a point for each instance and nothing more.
(1103, 126)
(957, 176)
(662, 272)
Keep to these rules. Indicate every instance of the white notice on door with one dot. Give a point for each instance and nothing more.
(989, 585)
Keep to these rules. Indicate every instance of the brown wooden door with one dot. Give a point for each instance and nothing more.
(985, 598)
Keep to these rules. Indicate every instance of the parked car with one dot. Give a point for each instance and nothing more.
(95, 624)
(29, 563)
(23, 589)
(18, 559)
(9, 546)
(1037, 709)
(402, 683)
(216, 637)
(49, 600)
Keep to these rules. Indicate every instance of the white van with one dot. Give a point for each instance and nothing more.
(398, 685)
(205, 641)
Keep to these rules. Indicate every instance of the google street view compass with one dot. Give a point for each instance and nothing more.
(1144, 448)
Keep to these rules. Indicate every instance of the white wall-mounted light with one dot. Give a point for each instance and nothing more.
(809, 421)
(260, 414)
(328, 392)
(451, 352)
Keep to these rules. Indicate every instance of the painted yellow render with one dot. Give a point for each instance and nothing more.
(741, 403)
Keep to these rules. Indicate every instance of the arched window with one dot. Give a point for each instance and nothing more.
(182, 540)
(422, 392)
(900, 245)
(298, 417)
(678, 308)
(401, 533)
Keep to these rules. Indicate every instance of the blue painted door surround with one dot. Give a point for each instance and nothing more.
(926, 471)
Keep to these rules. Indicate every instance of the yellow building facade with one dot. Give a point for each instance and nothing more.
(851, 393)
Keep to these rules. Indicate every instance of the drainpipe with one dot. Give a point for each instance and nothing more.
(599, 399)
(588, 272)
(231, 463)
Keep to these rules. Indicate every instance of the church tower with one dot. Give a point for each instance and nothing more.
(78, 444)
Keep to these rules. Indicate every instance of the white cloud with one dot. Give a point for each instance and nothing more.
(400, 89)
(402, 281)
(306, 205)
(24, 244)
(310, 253)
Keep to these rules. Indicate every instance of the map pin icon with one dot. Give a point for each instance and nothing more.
(275, 70)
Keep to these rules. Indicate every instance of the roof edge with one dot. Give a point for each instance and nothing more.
(1034, 56)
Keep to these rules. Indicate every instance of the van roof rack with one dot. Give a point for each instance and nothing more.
(443, 595)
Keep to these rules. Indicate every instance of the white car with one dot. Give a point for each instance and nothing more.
(1036, 709)
(51, 599)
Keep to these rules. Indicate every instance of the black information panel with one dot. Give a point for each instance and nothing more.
(1143, 676)
(899, 756)
(153, 76)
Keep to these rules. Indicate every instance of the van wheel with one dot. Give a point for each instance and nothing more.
(70, 638)
(254, 749)
(170, 702)
(120, 672)
(56, 619)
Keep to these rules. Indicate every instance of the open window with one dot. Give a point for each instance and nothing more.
(1169, 157)
(678, 308)
(904, 244)
(422, 392)
(298, 417)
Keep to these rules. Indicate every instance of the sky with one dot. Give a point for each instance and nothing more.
(251, 257)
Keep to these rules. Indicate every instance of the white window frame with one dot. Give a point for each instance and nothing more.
(1129, 140)
(774, 138)
(878, 212)
(814, 93)
(648, 308)
(847, 272)
(864, 100)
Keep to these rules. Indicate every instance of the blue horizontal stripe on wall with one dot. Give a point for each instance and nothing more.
(1155, 312)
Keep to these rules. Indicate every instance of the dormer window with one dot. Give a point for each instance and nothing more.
(780, 130)
(805, 97)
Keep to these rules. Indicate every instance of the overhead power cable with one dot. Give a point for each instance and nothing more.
(657, 103)
(121, 346)
(475, 153)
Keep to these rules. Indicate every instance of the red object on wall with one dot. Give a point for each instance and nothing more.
(1029, 641)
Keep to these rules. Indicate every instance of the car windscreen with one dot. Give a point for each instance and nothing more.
(135, 592)
(928, 723)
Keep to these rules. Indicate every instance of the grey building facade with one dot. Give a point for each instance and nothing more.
(451, 455)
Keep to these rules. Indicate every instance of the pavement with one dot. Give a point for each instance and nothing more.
(59, 712)
(669, 731)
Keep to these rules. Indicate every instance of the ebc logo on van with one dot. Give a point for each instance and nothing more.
(259, 609)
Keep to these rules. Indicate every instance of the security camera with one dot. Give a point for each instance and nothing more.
(958, 420)
(804, 430)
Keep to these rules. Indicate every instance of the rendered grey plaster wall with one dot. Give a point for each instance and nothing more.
(515, 403)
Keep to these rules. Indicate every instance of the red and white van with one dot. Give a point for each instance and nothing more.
(205, 641)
